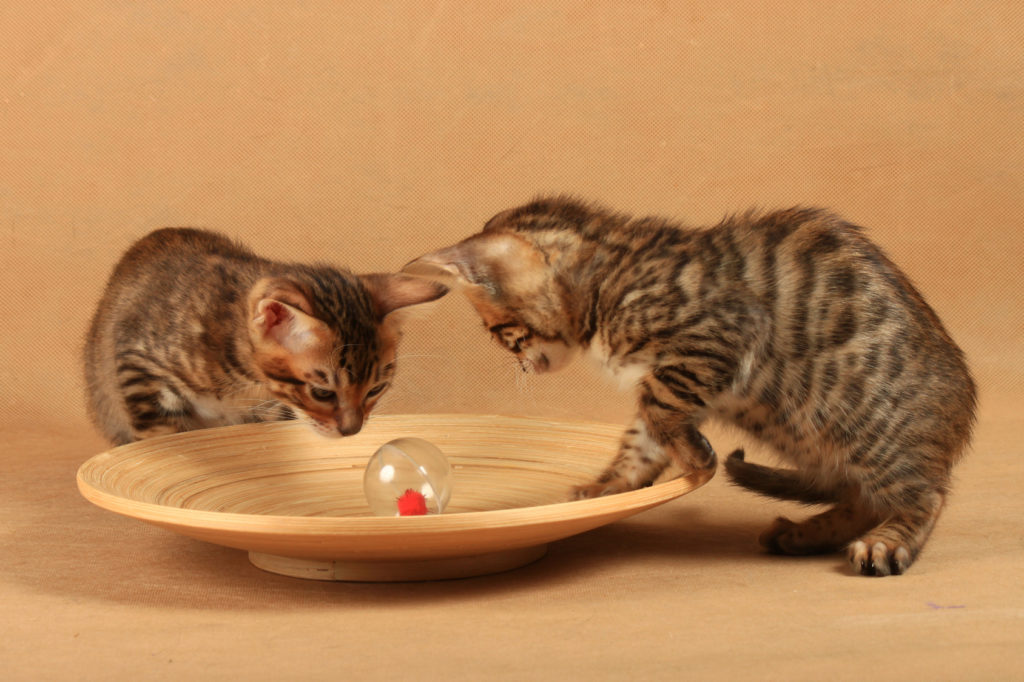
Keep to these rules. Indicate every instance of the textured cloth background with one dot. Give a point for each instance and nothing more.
(365, 134)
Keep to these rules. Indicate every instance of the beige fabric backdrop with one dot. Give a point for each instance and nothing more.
(367, 133)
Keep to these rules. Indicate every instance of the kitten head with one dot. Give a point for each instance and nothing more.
(326, 346)
(518, 276)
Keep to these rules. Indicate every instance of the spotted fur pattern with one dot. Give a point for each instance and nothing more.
(790, 325)
(195, 331)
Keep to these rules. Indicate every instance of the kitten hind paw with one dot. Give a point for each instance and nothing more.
(775, 538)
(878, 558)
(800, 539)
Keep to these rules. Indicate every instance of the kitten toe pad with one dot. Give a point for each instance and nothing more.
(878, 558)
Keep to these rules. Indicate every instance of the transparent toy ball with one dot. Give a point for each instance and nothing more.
(403, 470)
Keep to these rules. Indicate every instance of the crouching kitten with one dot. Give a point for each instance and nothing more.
(790, 325)
(194, 330)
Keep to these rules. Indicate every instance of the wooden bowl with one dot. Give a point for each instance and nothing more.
(294, 500)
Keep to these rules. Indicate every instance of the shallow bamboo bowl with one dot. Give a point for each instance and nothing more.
(294, 500)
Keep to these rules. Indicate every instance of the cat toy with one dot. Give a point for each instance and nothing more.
(407, 477)
(411, 503)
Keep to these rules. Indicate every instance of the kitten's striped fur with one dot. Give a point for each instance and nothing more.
(195, 330)
(791, 325)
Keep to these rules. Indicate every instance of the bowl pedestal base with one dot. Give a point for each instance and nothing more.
(401, 570)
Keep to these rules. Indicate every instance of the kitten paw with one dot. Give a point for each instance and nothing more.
(868, 556)
(586, 492)
(788, 537)
(776, 538)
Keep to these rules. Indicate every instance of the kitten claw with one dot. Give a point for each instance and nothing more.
(878, 559)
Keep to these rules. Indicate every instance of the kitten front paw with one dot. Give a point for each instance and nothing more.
(871, 556)
(586, 492)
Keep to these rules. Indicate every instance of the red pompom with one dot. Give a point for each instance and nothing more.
(412, 503)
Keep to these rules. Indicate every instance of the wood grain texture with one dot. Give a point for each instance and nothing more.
(280, 491)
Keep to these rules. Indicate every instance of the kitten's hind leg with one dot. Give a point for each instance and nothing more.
(877, 542)
(826, 532)
(892, 547)
(820, 534)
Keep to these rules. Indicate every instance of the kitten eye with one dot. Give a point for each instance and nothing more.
(511, 335)
(376, 390)
(321, 394)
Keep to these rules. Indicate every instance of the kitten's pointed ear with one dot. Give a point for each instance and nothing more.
(476, 260)
(443, 264)
(279, 289)
(283, 325)
(393, 292)
(280, 314)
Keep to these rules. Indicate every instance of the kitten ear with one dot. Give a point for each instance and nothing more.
(284, 325)
(476, 260)
(441, 264)
(279, 289)
(392, 292)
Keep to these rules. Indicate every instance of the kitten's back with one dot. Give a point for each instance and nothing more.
(148, 294)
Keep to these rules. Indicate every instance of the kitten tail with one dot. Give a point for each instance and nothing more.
(779, 483)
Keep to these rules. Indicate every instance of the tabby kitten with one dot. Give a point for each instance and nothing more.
(790, 325)
(195, 331)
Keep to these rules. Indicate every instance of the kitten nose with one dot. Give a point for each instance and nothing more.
(349, 422)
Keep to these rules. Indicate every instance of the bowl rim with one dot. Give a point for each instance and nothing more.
(287, 525)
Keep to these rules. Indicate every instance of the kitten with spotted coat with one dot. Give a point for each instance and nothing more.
(194, 330)
(791, 325)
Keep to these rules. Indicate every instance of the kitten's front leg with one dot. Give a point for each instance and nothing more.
(153, 406)
(661, 435)
(155, 414)
(639, 462)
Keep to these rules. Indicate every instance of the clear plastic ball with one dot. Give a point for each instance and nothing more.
(404, 465)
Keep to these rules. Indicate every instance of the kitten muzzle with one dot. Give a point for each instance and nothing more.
(349, 422)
